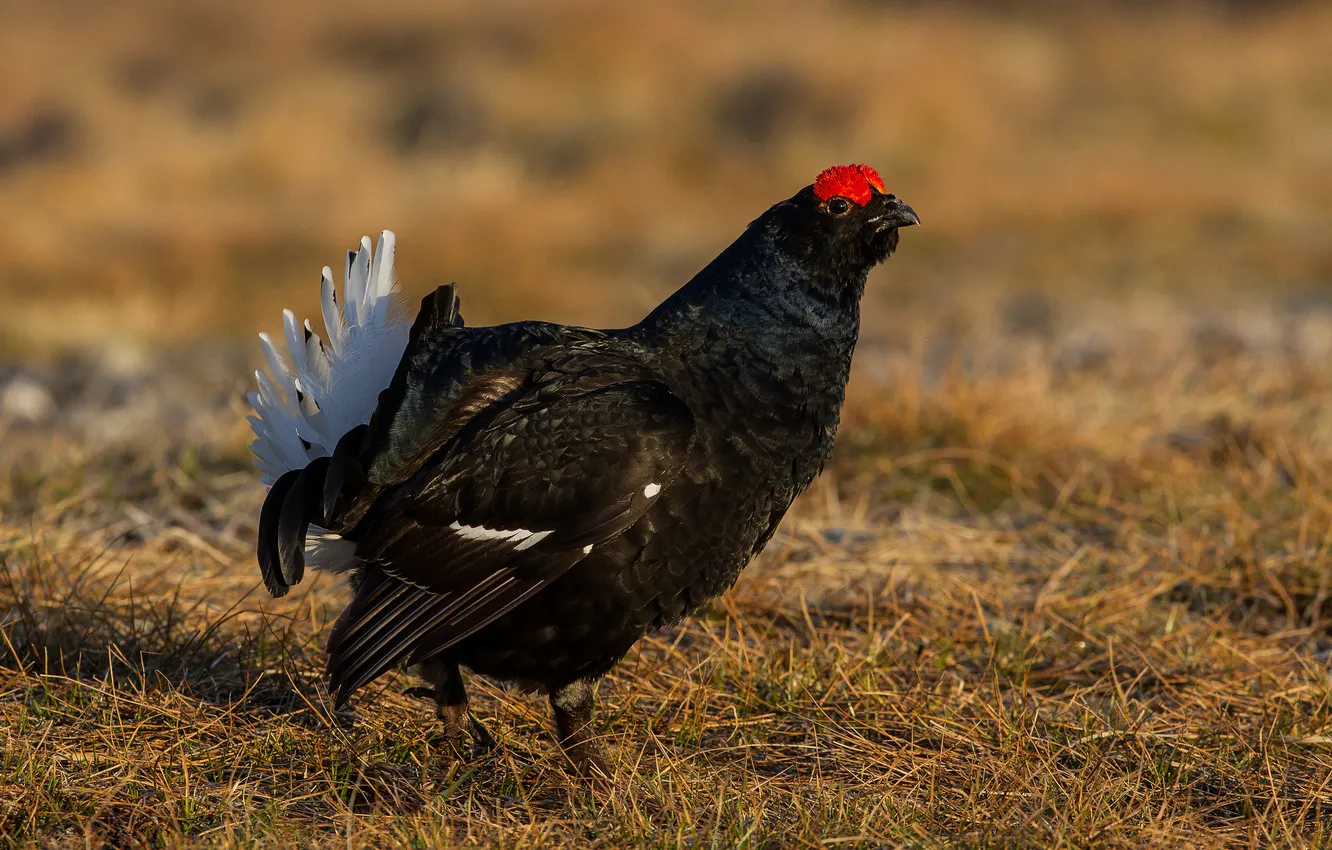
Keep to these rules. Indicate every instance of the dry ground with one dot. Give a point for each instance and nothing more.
(1068, 581)
(1046, 608)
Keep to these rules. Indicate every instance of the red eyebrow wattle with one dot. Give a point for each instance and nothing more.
(853, 182)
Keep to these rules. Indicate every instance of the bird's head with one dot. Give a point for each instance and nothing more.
(845, 223)
(810, 254)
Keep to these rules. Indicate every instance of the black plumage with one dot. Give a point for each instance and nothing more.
(344, 470)
(530, 499)
(300, 507)
(270, 559)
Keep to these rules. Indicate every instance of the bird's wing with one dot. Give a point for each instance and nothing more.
(447, 374)
(529, 488)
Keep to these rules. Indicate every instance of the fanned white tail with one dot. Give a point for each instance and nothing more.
(322, 390)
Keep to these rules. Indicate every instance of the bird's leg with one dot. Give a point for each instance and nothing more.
(572, 705)
(451, 705)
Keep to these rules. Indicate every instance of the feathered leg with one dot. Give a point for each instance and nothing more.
(451, 706)
(575, 725)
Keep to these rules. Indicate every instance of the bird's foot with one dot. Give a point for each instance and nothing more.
(482, 741)
(463, 732)
(460, 725)
(588, 760)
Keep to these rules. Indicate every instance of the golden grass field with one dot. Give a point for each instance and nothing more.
(1067, 583)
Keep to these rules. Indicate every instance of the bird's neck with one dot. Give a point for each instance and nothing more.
(758, 324)
(753, 288)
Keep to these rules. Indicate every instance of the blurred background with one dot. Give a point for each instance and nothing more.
(1083, 473)
(174, 173)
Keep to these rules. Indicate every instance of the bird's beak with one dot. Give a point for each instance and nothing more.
(895, 214)
(902, 215)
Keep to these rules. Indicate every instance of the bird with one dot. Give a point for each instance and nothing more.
(526, 501)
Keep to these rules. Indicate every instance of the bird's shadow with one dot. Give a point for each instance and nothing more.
(147, 633)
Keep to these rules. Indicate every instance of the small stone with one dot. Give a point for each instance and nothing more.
(26, 401)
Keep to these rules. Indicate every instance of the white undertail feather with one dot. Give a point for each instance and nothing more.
(327, 551)
(321, 389)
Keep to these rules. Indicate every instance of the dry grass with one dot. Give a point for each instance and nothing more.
(1067, 583)
(1009, 615)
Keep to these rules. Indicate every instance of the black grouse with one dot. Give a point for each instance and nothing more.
(529, 500)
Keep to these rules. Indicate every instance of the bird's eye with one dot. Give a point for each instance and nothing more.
(839, 206)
